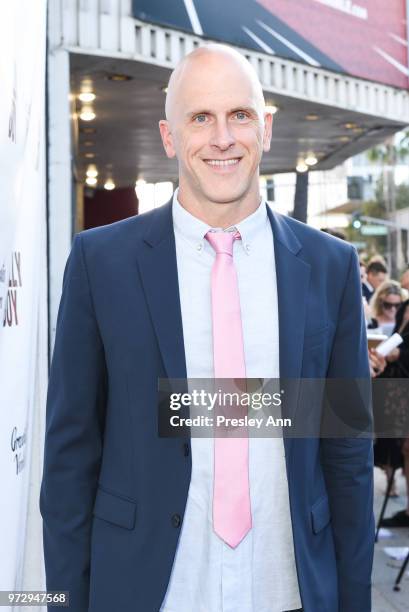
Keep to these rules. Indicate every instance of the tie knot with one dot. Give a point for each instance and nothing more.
(222, 242)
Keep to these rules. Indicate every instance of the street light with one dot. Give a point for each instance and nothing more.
(356, 221)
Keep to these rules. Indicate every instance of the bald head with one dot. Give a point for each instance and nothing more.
(210, 60)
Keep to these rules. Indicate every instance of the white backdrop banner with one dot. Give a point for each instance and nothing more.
(23, 269)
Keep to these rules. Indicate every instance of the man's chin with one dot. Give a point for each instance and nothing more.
(224, 196)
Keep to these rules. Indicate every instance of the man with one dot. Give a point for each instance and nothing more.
(212, 284)
(376, 273)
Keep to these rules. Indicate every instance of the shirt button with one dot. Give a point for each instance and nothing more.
(176, 520)
(247, 248)
(186, 450)
(199, 247)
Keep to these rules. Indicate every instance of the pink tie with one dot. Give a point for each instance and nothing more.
(231, 493)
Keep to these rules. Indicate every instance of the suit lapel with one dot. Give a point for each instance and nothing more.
(293, 277)
(158, 270)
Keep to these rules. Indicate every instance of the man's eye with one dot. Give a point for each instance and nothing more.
(241, 115)
(200, 119)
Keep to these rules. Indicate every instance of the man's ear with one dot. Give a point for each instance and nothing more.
(268, 127)
(167, 138)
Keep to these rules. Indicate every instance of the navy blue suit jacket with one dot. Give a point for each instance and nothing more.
(113, 492)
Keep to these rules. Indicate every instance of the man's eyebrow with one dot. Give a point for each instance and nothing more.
(201, 111)
(247, 109)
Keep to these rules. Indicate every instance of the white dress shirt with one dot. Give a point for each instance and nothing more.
(259, 575)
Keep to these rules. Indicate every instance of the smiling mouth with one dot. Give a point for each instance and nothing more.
(222, 163)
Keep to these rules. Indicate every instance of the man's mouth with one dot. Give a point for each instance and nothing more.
(222, 163)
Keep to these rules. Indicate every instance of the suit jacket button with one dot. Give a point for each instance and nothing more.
(176, 520)
(186, 450)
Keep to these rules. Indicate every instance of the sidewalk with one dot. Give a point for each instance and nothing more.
(384, 598)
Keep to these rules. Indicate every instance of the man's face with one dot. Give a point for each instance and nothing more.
(376, 279)
(217, 130)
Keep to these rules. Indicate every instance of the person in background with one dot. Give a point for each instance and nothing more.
(379, 258)
(404, 281)
(384, 305)
(364, 278)
(377, 363)
(362, 268)
(394, 451)
(376, 274)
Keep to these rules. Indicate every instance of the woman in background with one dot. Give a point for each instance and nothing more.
(398, 367)
(384, 305)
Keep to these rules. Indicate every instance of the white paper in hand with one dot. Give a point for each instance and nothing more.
(388, 345)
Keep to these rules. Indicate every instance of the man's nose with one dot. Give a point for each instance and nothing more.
(222, 136)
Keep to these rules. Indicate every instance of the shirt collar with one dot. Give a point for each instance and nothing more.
(194, 230)
(251, 226)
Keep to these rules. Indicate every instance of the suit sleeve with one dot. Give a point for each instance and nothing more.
(73, 440)
(348, 462)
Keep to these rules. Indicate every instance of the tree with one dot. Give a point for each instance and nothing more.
(388, 155)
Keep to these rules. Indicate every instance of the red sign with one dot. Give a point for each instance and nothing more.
(367, 38)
